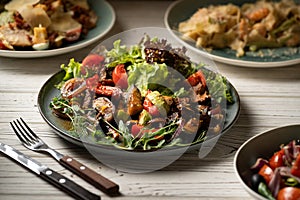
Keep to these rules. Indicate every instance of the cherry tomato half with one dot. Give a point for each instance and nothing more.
(119, 76)
(266, 172)
(150, 107)
(296, 167)
(91, 61)
(197, 77)
(137, 130)
(289, 193)
(277, 159)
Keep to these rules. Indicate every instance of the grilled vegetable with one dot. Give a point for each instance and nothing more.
(135, 104)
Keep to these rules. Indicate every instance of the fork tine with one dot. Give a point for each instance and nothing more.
(18, 132)
(24, 132)
(30, 134)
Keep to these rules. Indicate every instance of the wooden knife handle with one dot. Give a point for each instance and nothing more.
(90, 176)
(67, 185)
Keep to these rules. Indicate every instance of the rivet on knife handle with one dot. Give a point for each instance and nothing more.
(67, 185)
(91, 176)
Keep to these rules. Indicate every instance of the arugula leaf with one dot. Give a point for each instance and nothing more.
(62, 105)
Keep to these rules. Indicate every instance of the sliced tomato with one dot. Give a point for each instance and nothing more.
(197, 77)
(137, 130)
(289, 193)
(150, 108)
(119, 76)
(91, 61)
(296, 167)
(266, 172)
(277, 159)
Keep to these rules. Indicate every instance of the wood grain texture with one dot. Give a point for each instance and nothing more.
(269, 98)
(105, 185)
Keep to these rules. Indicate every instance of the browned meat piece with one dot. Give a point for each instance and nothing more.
(16, 37)
(105, 108)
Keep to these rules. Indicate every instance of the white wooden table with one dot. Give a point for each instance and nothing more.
(269, 98)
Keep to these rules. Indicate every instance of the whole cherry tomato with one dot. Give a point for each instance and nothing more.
(119, 76)
(289, 193)
(277, 159)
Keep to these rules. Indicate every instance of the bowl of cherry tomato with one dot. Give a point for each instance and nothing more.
(268, 164)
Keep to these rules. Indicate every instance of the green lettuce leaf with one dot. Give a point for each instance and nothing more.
(142, 74)
(72, 69)
(120, 54)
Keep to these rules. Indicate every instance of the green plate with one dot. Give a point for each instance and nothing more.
(183, 9)
(106, 19)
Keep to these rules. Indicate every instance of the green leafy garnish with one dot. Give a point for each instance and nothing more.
(120, 54)
(141, 74)
(72, 69)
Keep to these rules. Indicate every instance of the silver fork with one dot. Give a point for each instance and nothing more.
(31, 141)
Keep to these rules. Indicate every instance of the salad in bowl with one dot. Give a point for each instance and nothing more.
(141, 97)
(138, 101)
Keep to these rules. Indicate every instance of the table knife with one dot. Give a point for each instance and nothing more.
(48, 174)
(105, 185)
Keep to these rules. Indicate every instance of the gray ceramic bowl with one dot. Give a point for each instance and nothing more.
(126, 160)
(261, 146)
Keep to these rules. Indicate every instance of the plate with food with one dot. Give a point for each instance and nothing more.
(271, 171)
(137, 94)
(245, 33)
(36, 28)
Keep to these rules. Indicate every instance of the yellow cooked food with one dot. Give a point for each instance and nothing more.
(252, 26)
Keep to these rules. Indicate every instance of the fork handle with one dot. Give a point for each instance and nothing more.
(90, 176)
(67, 185)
